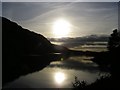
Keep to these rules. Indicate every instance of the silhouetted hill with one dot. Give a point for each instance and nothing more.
(24, 51)
(20, 41)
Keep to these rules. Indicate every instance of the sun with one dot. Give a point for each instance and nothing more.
(59, 77)
(61, 28)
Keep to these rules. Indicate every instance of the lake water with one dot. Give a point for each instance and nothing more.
(60, 74)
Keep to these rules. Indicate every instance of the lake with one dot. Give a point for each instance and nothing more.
(61, 74)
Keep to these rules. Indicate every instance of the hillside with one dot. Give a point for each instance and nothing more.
(20, 41)
(24, 51)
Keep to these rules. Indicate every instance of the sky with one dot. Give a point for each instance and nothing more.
(85, 18)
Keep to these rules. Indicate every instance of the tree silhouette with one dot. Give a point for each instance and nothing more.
(114, 50)
(114, 40)
(79, 84)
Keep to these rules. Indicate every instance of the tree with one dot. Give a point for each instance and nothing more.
(114, 40)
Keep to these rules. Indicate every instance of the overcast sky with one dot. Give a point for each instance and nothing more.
(87, 18)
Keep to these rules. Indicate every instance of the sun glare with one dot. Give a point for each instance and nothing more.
(59, 77)
(61, 28)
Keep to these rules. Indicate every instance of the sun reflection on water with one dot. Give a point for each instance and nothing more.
(59, 77)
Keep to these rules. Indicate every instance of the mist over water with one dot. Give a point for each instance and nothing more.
(84, 46)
